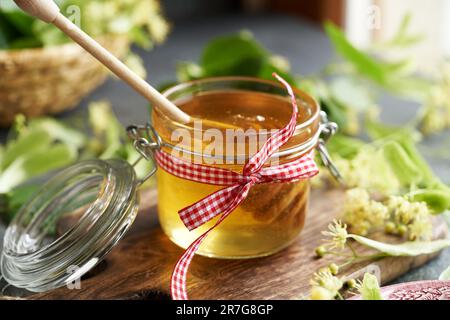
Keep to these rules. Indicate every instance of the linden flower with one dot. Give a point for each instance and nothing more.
(159, 28)
(421, 226)
(356, 195)
(325, 286)
(415, 217)
(337, 232)
(401, 210)
(319, 293)
(358, 286)
(420, 229)
(362, 213)
(359, 172)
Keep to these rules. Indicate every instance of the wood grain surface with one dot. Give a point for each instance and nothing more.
(141, 264)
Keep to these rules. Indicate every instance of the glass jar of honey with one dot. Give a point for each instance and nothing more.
(81, 213)
(244, 111)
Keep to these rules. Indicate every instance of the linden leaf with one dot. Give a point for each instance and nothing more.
(407, 249)
(363, 63)
(437, 200)
(406, 171)
(237, 54)
(35, 163)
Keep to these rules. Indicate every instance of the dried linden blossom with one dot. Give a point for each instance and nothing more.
(363, 214)
(337, 235)
(415, 218)
(396, 215)
(325, 286)
(367, 170)
(120, 17)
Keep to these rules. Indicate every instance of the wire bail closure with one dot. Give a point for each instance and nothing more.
(328, 129)
(146, 141)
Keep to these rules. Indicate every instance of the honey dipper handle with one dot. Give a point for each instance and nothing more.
(48, 11)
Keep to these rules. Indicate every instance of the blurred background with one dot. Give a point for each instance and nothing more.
(364, 21)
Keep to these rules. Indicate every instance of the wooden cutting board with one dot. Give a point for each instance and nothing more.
(141, 264)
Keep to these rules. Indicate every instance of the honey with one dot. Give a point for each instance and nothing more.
(272, 215)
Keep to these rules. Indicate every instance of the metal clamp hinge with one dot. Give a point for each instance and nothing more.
(328, 129)
(146, 141)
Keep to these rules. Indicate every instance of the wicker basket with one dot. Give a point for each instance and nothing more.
(34, 82)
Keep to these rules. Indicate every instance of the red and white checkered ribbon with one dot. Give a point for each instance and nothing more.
(236, 189)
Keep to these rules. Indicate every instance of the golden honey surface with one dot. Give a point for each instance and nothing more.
(271, 216)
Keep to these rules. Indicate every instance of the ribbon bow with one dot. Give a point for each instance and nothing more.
(237, 187)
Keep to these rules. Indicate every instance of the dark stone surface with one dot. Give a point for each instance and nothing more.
(302, 43)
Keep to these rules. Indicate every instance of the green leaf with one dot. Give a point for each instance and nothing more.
(377, 130)
(370, 289)
(23, 43)
(187, 71)
(108, 132)
(18, 196)
(409, 248)
(16, 17)
(31, 141)
(320, 91)
(165, 85)
(401, 37)
(7, 32)
(401, 67)
(48, 34)
(361, 61)
(140, 37)
(344, 146)
(406, 171)
(35, 163)
(268, 68)
(429, 178)
(2, 155)
(445, 275)
(335, 111)
(59, 131)
(4, 44)
(15, 199)
(410, 87)
(237, 54)
(437, 200)
(396, 77)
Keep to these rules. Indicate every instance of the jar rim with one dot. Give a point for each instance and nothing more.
(300, 94)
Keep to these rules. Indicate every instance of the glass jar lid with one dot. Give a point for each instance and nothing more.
(69, 226)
